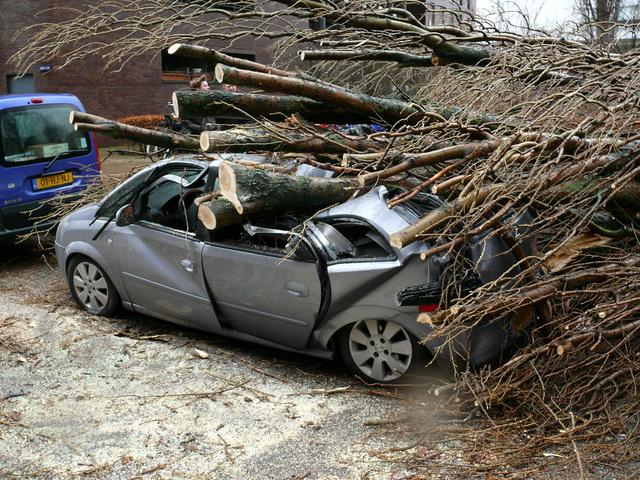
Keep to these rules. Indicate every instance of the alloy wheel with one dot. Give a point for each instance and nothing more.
(90, 286)
(381, 349)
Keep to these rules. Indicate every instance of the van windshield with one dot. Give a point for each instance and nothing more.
(38, 133)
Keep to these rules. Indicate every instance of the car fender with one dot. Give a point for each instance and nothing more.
(365, 312)
(88, 250)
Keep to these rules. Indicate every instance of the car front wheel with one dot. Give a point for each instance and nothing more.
(380, 351)
(91, 288)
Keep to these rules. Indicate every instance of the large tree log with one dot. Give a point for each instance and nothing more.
(251, 190)
(214, 56)
(389, 110)
(378, 109)
(198, 104)
(218, 213)
(280, 140)
(85, 121)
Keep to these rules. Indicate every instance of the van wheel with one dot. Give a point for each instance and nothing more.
(380, 351)
(91, 288)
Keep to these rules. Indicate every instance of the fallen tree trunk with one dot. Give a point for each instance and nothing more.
(252, 190)
(389, 110)
(218, 213)
(197, 104)
(94, 123)
(277, 140)
(377, 109)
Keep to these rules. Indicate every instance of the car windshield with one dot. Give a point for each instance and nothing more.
(38, 133)
(124, 193)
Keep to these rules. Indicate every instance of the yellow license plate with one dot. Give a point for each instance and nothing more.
(52, 181)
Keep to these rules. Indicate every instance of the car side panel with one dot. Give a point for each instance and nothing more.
(368, 290)
(262, 295)
(155, 277)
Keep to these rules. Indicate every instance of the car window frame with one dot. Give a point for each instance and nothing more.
(153, 172)
(392, 257)
(139, 206)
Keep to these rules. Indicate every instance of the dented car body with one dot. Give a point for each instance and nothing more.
(330, 285)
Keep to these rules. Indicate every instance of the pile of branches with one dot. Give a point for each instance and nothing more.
(495, 124)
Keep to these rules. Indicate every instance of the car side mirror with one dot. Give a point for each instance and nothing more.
(125, 215)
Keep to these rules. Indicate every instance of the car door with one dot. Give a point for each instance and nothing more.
(264, 293)
(160, 264)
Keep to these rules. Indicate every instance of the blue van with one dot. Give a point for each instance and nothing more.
(41, 156)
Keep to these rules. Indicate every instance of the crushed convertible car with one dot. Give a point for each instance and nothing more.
(328, 286)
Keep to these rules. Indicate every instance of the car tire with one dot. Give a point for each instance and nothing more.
(380, 351)
(91, 288)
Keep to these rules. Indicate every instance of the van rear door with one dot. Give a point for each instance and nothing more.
(41, 155)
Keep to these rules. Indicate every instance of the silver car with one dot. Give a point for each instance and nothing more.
(327, 286)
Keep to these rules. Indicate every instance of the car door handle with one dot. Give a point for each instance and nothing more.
(188, 265)
(297, 289)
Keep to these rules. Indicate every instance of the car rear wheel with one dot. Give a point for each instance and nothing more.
(380, 351)
(91, 288)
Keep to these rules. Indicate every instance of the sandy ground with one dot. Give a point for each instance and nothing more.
(88, 397)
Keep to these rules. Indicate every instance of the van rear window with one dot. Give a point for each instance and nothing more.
(39, 133)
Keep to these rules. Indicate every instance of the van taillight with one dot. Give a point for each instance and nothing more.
(429, 307)
(37, 100)
(98, 157)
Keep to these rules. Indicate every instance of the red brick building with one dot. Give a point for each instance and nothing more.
(143, 86)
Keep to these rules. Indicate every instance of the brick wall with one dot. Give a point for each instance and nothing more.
(136, 89)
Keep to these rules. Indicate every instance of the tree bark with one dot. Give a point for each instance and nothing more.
(280, 140)
(252, 190)
(85, 121)
(198, 104)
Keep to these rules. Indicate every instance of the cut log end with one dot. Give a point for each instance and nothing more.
(204, 142)
(301, 55)
(396, 241)
(207, 217)
(174, 102)
(173, 49)
(227, 178)
(219, 73)
(71, 115)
